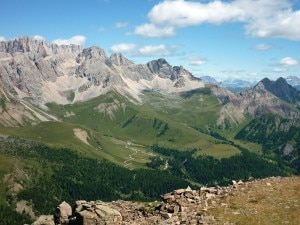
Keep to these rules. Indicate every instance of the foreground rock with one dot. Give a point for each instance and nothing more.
(182, 206)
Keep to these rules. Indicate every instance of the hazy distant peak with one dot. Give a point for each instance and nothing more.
(209, 79)
(294, 81)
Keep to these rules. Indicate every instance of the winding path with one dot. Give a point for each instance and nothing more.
(127, 162)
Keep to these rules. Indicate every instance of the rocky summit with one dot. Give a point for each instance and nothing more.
(207, 205)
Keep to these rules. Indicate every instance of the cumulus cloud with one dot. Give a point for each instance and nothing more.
(75, 40)
(262, 18)
(38, 37)
(186, 13)
(288, 61)
(123, 48)
(2, 38)
(282, 25)
(156, 50)
(263, 47)
(196, 61)
(153, 31)
(121, 24)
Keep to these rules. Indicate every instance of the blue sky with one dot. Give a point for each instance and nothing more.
(243, 39)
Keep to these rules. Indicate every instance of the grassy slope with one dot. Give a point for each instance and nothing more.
(60, 134)
(139, 123)
(166, 120)
(268, 201)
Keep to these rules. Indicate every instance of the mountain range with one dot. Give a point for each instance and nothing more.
(237, 85)
(65, 74)
(69, 108)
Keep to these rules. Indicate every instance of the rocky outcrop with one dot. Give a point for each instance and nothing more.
(208, 205)
(88, 213)
(182, 206)
(62, 213)
(119, 60)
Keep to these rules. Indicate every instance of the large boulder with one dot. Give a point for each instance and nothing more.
(92, 213)
(62, 213)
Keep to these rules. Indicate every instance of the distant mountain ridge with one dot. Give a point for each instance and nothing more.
(234, 85)
(282, 89)
(294, 81)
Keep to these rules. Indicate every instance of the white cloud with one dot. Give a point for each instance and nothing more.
(38, 37)
(279, 70)
(153, 31)
(262, 18)
(281, 25)
(156, 50)
(121, 24)
(76, 40)
(263, 47)
(196, 61)
(2, 38)
(186, 13)
(288, 61)
(123, 48)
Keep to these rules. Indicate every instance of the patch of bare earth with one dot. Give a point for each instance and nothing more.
(81, 135)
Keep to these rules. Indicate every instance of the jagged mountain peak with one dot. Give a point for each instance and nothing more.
(156, 65)
(163, 69)
(93, 52)
(281, 89)
(46, 72)
(119, 60)
(280, 81)
(21, 44)
(37, 47)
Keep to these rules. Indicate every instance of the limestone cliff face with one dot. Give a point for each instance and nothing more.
(27, 64)
(43, 72)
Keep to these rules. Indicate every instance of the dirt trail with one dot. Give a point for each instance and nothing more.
(127, 163)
